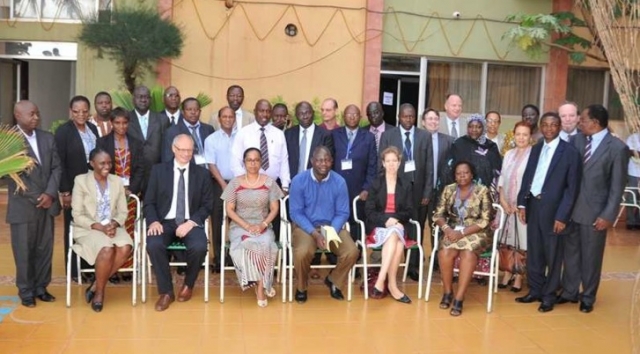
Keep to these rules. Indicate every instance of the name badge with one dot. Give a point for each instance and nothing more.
(125, 181)
(346, 164)
(410, 166)
(105, 222)
(199, 159)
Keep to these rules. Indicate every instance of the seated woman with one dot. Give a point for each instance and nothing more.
(252, 204)
(388, 209)
(99, 207)
(463, 215)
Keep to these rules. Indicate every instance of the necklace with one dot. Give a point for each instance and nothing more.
(251, 184)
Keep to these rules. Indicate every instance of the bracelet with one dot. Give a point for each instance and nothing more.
(445, 227)
(265, 224)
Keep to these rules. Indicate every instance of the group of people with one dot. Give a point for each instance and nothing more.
(446, 174)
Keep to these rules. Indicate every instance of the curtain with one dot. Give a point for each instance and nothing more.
(585, 87)
(463, 79)
(510, 87)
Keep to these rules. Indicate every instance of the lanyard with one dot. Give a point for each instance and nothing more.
(462, 208)
(123, 159)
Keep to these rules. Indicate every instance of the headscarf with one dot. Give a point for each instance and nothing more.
(477, 117)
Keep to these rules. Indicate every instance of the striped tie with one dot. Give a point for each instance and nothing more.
(264, 150)
(587, 150)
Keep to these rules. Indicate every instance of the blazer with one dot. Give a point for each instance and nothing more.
(159, 193)
(320, 137)
(461, 126)
(247, 118)
(363, 158)
(444, 145)
(377, 202)
(43, 178)
(180, 128)
(136, 180)
(422, 177)
(84, 200)
(152, 145)
(71, 151)
(561, 183)
(604, 178)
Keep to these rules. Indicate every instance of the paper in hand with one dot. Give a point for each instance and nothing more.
(330, 235)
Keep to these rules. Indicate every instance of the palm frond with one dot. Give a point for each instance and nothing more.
(13, 156)
(157, 99)
(122, 98)
(204, 99)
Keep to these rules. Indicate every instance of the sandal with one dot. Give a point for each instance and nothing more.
(456, 310)
(446, 301)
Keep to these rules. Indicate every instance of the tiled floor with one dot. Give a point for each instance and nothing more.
(323, 325)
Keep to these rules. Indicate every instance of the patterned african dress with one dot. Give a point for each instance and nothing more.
(475, 210)
(253, 256)
(122, 161)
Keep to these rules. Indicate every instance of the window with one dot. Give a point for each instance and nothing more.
(510, 87)
(614, 105)
(400, 63)
(464, 79)
(588, 86)
(52, 9)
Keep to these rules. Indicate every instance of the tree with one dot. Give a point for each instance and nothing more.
(135, 38)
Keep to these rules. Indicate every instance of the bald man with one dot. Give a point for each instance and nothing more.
(31, 211)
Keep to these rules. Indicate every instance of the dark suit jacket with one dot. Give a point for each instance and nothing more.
(363, 157)
(167, 120)
(136, 181)
(377, 202)
(180, 128)
(43, 178)
(444, 145)
(604, 178)
(422, 177)
(561, 183)
(320, 137)
(71, 151)
(152, 145)
(159, 193)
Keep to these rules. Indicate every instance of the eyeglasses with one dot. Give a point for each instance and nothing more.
(172, 95)
(252, 160)
(190, 151)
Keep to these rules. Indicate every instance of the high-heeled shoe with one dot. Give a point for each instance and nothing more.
(89, 294)
(404, 299)
(376, 294)
(509, 283)
(456, 309)
(445, 303)
(96, 306)
(515, 290)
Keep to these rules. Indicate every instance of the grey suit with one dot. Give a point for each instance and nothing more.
(152, 144)
(247, 118)
(461, 126)
(603, 182)
(31, 227)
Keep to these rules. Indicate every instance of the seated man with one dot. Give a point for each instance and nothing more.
(319, 197)
(178, 200)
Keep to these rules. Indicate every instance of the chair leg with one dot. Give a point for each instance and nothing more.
(290, 271)
(69, 278)
(420, 271)
(222, 266)
(207, 271)
(283, 275)
(406, 267)
(427, 290)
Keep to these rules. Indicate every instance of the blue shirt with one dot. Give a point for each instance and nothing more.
(597, 138)
(217, 151)
(314, 203)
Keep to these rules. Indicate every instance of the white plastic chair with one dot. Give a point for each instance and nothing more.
(493, 265)
(224, 246)
(134, 269)
(176, 246)
(364, 265)
(628, 192)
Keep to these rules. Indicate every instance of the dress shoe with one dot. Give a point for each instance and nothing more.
(335, 292)
(185, 294)
(89, 293)
(561, 300)
(545, 307)
(96, 306)
(46, 297)
(29, 302)
(585, 308)
(181, 270)
(164, 301)
(527, 299)
(515, 290)
(376, 294)
(301, 296)
(413, 274)
(404, 299)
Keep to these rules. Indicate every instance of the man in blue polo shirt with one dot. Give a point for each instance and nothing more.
(319, 197)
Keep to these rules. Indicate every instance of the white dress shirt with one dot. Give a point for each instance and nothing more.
(174, 199)
(307, 151)
(434, 144)
(216, 151)
(239, 118)
(248, 137)
(175, 116)
(33, 142)
(565, 136)
(450, 126)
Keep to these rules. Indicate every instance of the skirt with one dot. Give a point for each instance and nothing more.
(380, 235)
(476, 243)
(88, 243)
(254, 257)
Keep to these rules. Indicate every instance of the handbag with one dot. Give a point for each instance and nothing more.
(511, 258)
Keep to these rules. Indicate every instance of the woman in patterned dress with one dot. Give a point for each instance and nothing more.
(463, 216)
(515, 162)
(388, 209)
(252, 203)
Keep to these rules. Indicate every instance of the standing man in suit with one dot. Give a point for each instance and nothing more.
(549, 188)
(178, 201)
(190, 124)
(605, 160)
(172, 111)
(235, 98)
(568, 112)
(416, 167)
(377, 125)
(303, 139)
(31, 211)
(148, 127)
(329, 109)
(452, 124)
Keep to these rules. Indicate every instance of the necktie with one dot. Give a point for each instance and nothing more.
(375, 133)
(173, 120)
(350, 138)
(540, 175)
(196, 140)
(180, 202)
(302, 163)
(264, 150)
(407, 147)
(587, 150)
(454, 130)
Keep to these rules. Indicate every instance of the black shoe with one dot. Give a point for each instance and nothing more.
(96, 306)
(631, 227)
(29, 302)
(404, 299)
(88, 277)
(456, 309)
(114, 279)
(301, 296)
(413, 274)
(515, 290)
(527, 299)
(482, 281)
(181, 270)
(585, 308)
(46, 297)
(545, 307)
(445, 303)
(509, 282)
(215, 268)
(561, 300)
(376, 294)
(335, 292)
(89, 294)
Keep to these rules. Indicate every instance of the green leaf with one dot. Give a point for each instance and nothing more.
(577, 57)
